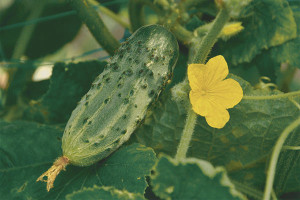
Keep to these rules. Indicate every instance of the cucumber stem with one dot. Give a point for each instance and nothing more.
(90, 17)
(59, 164)
(136, 14)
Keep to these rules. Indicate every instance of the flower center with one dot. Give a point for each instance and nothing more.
(203, 92)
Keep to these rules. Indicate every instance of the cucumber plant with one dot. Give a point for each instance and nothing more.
(118, 100)
(258, 145)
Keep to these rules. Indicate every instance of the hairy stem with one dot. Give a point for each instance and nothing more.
(274, 158)
(294, 148)
(276, 96)
(203, 47)
(200, 56)
(187, 135)
(95, 24)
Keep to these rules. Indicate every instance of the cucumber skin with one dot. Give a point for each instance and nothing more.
(120, 96)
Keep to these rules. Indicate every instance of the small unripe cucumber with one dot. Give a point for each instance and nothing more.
(120, 97)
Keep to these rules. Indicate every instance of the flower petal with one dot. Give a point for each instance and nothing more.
(227, 93)
(216, 70)
(195, 75)
(200, 103)
(218, 119)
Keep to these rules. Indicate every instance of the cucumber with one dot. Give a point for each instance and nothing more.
(119, 97)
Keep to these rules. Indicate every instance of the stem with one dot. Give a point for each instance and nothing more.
(95, 24)
(136, 14)
(186, 135)
(27, 31)
(276, 96)
(204, 46)
(109, 13)
(294, 148)
(200, 55)
(294, 102)
(274, 158)
(182, 34)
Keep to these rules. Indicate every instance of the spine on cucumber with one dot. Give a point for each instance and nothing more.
(120, 96)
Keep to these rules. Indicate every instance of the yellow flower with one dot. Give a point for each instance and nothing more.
(210, 94)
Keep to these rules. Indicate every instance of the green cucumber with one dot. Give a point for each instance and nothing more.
(119, 97)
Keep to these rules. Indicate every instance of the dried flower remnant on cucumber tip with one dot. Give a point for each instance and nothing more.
(211, 94)
(53, 171)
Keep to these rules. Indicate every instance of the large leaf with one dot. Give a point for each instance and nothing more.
(68, 83)
(247, 139)
(267, 23)
(103, 193)
(289, 51)
(191, 179)
(28, 149)
(48, 36)
(269, 61)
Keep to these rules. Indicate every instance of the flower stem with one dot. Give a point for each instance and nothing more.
(274, 158)
(95, 24)
(203, 47)
(200, 55)
(186, 135)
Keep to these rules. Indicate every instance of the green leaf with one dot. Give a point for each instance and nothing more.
(36, 89)
(103, 193)
(247, 139)
(68, 83)
(267, 23)
(191, 179)
(28, 149)
(262, 65)
(18, 82)
(48, 36)
(268, 62)
(289, 51)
